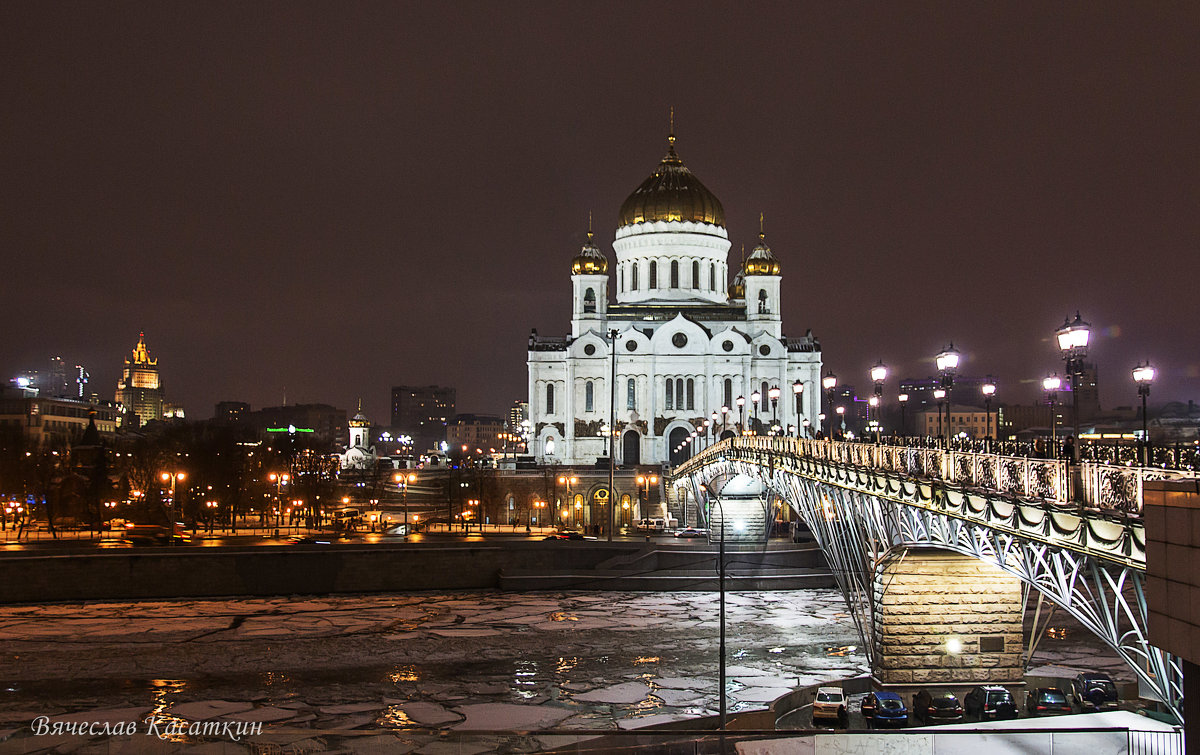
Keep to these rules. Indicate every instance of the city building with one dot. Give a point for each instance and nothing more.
(52, 420)
(966, 391)
(139, 390)
(479, 433)
(56, 380)
(964, 420)
(518, 413)
(231, 412)
(328, 423)
(421, 412)
(686, 342)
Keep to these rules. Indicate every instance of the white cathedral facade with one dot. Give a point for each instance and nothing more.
(687, 345)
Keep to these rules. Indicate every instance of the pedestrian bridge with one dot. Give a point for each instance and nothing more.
(1071, 533)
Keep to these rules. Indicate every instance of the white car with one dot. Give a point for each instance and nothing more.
(829, 704)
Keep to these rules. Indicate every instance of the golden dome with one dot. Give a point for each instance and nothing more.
(672, 193)
(590, 260)
(737, 289)
(761, 261)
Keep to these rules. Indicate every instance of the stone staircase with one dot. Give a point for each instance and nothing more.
(744, 520)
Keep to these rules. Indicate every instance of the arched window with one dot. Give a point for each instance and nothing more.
(621, 275)
(634, 285)
(728, 393)
(764, 394)
(670, 393)
(712, 276)
(674, 273)
(589, 393)
(653, 274)
(549, 398)
(691, 393)
(589, 301)
(762, 302)
(630, 394)
(695, 274)
(679, 393)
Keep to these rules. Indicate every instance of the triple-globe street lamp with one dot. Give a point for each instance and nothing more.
(989, 390)
(829, 383)
(1073, 339)
(947, 365)
(773, 392)
(1050, 384)
(879, 374)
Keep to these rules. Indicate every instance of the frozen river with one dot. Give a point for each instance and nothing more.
(388, 665)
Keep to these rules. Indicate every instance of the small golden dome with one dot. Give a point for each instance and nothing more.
(672, 192)
(761, 261)
(737, 289)
(590, 260)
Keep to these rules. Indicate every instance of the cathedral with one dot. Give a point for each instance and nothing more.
(682, 343)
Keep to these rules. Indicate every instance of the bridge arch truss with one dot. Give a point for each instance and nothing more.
(1093, 567)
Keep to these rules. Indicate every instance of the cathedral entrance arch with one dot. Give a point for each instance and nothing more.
(631, 448)
(679, 450)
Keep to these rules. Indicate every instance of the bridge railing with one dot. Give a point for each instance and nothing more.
(1106, 487)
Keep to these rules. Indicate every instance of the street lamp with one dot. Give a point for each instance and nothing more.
(724, 418)
(798, 392)
(714, 426)
(755, 398)
(1051, 384)
(947, 364)
(879, 373)
(643, 492)
(773, 392)
(173, 477)
(829, 382)
(1143, 375)
(940, 395)
(403, 481)
(211, 507)
(1073, 339)
(989, 390)
(841, 411)
(903, 399)
(741, 405)
(568, 482)
(278, 480)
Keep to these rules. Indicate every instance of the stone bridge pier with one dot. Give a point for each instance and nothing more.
(942, 619)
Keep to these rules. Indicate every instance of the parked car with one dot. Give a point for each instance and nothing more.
(1047, 701)
(884, 709)
(691, 532)
(1095, 691)
(830, 704)
(990, 702)
(566, 535)
(937, 707)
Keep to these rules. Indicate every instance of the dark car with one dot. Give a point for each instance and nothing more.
(568, 535)
(990, 703)
(311, 539)
(884, 709)
(1095, 691)
(1047, 701)
(155, 534)
(937, 707)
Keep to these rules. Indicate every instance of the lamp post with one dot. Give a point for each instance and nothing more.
(873, 406)
(829, 382)
(940, 395)
(211, 510)
(773, 392)
(806, 424)
(989, 390)
(724, 419)
(403, 481)
(1051, 384)
(643, 492)
(798, 392)
(714, 427)
(568, 482)
(755, 398)
(537, 511)
(278, 480)
(175, 508)
(841, 412)
(879, 373)
(903, 399)
(741, 405)
(1073, 339)
(947, 364)
(1143, 375)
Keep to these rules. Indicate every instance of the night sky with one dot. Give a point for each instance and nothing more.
(322, 200)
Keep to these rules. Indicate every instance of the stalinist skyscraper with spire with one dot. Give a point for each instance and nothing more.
(686, 344)
(139, 390)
